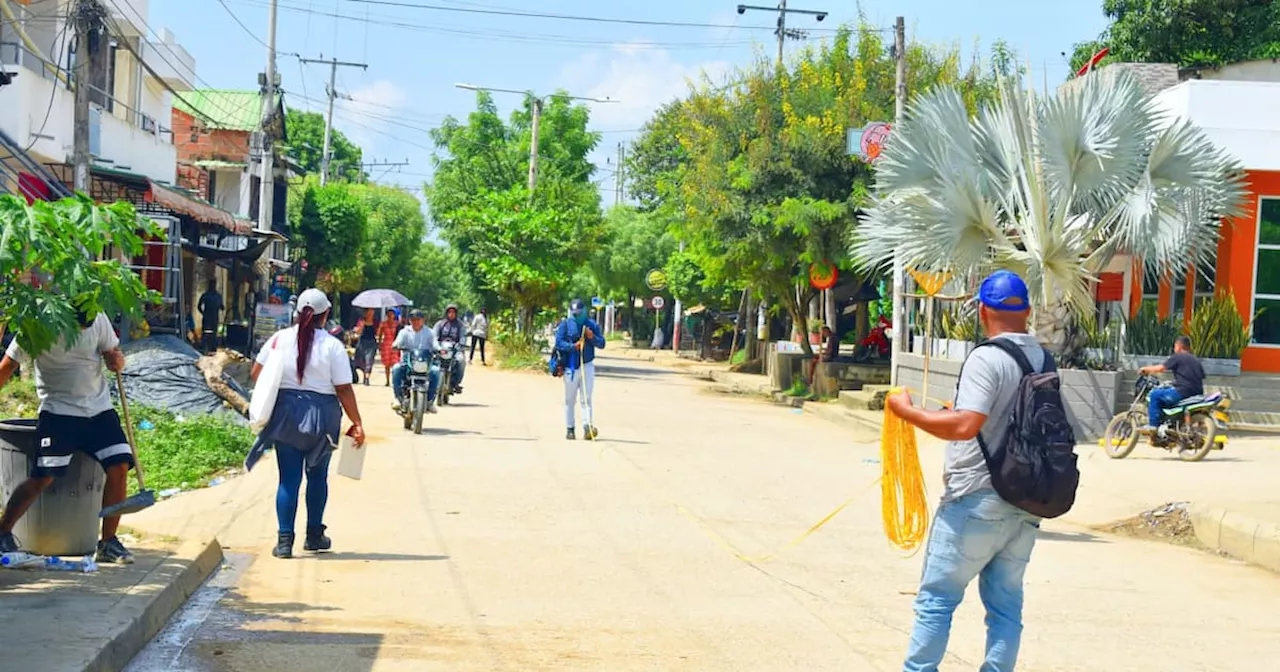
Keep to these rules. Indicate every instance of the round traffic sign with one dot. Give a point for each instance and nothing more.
(597, 302)
(658, 303)
(656, 280)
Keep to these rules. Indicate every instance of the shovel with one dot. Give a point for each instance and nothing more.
(144, 498)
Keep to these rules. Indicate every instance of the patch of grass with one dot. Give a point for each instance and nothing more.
(519, 355)
(186, 451)
(798, 389)
(18, 400)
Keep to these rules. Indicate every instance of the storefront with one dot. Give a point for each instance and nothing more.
(1239, 117)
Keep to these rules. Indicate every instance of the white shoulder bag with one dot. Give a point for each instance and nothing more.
(262, 401)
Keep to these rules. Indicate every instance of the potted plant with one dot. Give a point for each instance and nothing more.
(815, 331)
(1219, 334)
(959, 333)
(1148, 338)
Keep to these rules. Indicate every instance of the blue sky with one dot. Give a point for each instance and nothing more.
(413, 66)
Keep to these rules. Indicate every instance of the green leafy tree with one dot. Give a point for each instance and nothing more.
(633, 243)
(306, 144)
(65, 241)
(518, 249)
(394, 232)
(768, 187)
(435, 280)
(1189, 33)
(331, 226)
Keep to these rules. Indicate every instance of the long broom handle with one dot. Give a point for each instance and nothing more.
(128, 432)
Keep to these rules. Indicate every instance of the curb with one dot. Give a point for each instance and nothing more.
(179, 576)
(1245, 537)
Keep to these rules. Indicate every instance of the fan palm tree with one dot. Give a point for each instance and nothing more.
(1049, 187)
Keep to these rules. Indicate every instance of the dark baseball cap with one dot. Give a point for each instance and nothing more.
(1004, 291)
(415, 314)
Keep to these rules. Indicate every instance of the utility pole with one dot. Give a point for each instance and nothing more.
(535, 105)
(619, 174)
(899, 112)
(88, 21)
(782, 31)
(267, 186)
(332, 92)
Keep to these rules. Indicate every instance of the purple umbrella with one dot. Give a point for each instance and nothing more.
(379, 298)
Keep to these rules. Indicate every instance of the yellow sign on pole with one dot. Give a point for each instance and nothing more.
(930, 283)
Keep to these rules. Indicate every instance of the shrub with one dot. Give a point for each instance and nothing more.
(1216, 329)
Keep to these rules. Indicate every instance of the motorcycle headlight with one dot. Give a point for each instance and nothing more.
(421, 367)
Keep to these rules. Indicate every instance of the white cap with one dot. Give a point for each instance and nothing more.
(313, 299)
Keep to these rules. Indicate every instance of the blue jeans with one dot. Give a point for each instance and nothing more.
(292, 463)
(1160, 399)
(400, 376)
(978, 535)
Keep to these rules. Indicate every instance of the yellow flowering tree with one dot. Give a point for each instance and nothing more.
(765, 181)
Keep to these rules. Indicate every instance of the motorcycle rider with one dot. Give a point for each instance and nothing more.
(420, 341)
(1188, 381)
(451, 329)
(578, 331)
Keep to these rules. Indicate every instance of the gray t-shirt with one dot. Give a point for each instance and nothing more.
(988, 385)
(71, 381)
(415, 341)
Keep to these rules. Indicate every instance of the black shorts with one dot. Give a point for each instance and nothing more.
(58, 437)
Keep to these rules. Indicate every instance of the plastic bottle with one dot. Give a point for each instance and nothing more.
(84, 565)
(19, 559)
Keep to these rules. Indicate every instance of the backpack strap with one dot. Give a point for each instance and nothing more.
(1015, 351)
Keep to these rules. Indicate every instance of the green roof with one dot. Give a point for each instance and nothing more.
(232, 109)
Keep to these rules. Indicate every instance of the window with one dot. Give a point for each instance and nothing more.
(1203, 290)
(1150, 290)
(1266, 274)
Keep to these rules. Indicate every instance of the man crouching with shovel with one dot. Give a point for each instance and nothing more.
(75, 414)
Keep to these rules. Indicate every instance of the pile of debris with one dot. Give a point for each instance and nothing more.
(164, 372)
(1170, 522)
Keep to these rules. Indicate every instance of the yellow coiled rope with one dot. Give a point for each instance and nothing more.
(903, 500)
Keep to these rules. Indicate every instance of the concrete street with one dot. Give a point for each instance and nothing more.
(491, 543)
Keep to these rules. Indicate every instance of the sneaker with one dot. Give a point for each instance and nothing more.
(569, 434)
(397, 406)
(112, 551)
(432, 408)
(9, 543)
(589, 432)
(284, 545)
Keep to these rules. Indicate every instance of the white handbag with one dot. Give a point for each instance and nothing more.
(262, 401)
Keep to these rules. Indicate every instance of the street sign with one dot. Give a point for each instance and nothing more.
(597, 302)
(656, 280)
(658, 303)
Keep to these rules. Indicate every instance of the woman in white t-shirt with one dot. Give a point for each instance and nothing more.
(315, 389)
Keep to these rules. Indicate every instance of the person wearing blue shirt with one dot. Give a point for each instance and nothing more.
(577, 339)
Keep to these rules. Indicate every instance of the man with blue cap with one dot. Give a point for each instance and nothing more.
(577, 339)
(976, 533)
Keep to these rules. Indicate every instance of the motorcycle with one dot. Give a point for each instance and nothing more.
(1192, 427)
(445, 359)
(418, 384)
(877, 344)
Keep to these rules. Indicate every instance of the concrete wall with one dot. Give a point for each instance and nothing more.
(1152, 77)
(1090, 396)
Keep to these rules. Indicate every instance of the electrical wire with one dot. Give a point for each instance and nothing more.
(568, 17)
(240, 23)
(64, 44)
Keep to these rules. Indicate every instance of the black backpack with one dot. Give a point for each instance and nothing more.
(1035, 468)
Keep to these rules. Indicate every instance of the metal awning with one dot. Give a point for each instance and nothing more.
(197, 209)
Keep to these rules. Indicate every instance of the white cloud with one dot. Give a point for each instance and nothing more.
(381, 98)
(637, 75)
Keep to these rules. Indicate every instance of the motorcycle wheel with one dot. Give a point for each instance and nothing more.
(446, 389)
(1199, 440)
(419, 407)
(1121, 436)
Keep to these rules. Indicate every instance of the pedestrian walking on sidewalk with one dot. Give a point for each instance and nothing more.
(976, 533)
(76, 414)
(577, 339)
(304, 426)
(366, 331)
(479, 334)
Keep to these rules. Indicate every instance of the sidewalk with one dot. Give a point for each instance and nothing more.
(97, 622)
(1235, 506)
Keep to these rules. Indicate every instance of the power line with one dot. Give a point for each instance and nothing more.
(64, 44)
(240, 23)
(561, 17)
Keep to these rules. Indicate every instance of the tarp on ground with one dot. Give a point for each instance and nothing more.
(160, 372)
